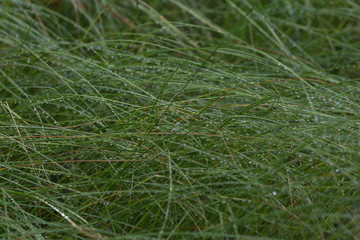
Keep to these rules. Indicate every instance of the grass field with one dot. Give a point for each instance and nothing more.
(166, 119)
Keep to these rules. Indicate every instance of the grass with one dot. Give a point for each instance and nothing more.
(179, 119)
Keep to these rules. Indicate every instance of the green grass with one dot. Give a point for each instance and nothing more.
(179, 119)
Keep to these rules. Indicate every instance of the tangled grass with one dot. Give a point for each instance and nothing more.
(179, 119)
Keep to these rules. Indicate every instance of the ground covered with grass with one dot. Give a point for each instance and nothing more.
(171, 119)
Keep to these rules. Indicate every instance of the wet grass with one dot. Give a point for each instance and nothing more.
(179, 119)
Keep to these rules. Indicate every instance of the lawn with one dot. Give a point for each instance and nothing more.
(168, 119)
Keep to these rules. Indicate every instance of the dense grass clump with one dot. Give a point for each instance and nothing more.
(174, 119)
